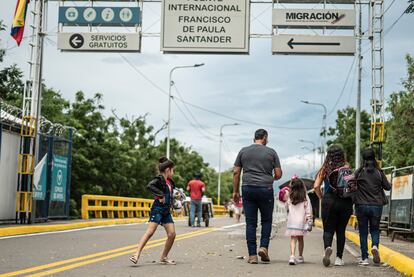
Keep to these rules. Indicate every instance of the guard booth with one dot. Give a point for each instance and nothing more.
(401, 207)
(51, 196)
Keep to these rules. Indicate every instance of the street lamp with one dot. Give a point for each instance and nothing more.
(169, 102)
(313, 150)
(324, 127)
(220, 146)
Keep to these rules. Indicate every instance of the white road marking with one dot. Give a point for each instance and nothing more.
(74, 230)
(232, 226)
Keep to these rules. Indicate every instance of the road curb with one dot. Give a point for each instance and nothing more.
(400, 262)
(23, 230)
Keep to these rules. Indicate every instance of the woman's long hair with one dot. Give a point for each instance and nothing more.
(369, 161)
(334, 159)
(297, 191)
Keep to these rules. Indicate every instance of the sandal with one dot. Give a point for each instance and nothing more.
(134, 258)
(166, 261)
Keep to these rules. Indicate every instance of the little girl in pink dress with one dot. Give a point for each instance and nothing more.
(299, 220)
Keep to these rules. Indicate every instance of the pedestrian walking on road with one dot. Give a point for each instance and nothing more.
(196, 187)
(369, 201)
(238, 209)
(261, 167)
(336, 210)
(299, 220)
(162, 188)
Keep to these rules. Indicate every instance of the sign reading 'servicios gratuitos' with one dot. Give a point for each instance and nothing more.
(205, 26)
(106, 42)
(304, 18)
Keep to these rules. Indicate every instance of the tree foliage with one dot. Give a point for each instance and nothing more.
(399, 142)
(112, 155)
(398, 147)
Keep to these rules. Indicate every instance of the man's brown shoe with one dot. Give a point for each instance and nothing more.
(264, 255)
(253, 260)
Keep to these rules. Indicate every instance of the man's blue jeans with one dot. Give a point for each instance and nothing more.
(258, 199)
(368, 216)
(196, 205)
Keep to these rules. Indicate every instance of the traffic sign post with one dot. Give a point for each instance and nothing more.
(103, 42)
(313, 44)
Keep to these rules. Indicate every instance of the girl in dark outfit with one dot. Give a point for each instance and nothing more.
(162, 188)
(369, 200)
(336, 210)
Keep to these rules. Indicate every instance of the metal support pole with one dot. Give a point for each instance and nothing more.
(358, 104)
(68, 183)
(219, 173)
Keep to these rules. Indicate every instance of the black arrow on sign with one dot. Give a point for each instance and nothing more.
(291, 43)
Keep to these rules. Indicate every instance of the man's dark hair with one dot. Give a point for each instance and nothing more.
(260, 134)
(198, 175)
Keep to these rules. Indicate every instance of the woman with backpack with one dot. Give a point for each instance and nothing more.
(336, 209)
(369, 200)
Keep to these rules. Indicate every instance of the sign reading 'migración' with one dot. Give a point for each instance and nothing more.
(205, 26)
(305, 18)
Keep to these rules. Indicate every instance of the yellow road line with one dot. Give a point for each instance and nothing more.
(63, 262)
(76, 265)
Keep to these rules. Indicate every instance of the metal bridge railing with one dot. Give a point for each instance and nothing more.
(103, 206)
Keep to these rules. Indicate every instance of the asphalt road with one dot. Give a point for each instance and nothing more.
(214, 251)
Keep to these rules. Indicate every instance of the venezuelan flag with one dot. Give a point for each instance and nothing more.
(19, 20)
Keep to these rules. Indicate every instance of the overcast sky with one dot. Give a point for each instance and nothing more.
(258, 87)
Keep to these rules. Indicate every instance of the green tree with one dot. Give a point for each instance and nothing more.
(344, 131)
(11, 84)
(399, 129)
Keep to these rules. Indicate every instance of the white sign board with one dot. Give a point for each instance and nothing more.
(191, 26)
(100, 42)
(315, 2)
(313, 44)
(402, 187)
(329, 18)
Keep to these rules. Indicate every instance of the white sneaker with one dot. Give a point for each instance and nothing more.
(327, 257)
(292, 260)
(375, 255)
(339, 262)
(300, 260)
(363, 262)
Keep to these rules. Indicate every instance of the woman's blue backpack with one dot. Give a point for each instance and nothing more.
(346, 182)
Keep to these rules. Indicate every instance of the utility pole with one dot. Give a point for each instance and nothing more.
(358, 104)
(220, 152)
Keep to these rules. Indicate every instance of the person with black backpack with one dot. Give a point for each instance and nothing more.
(336, 205)
(369, 200)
